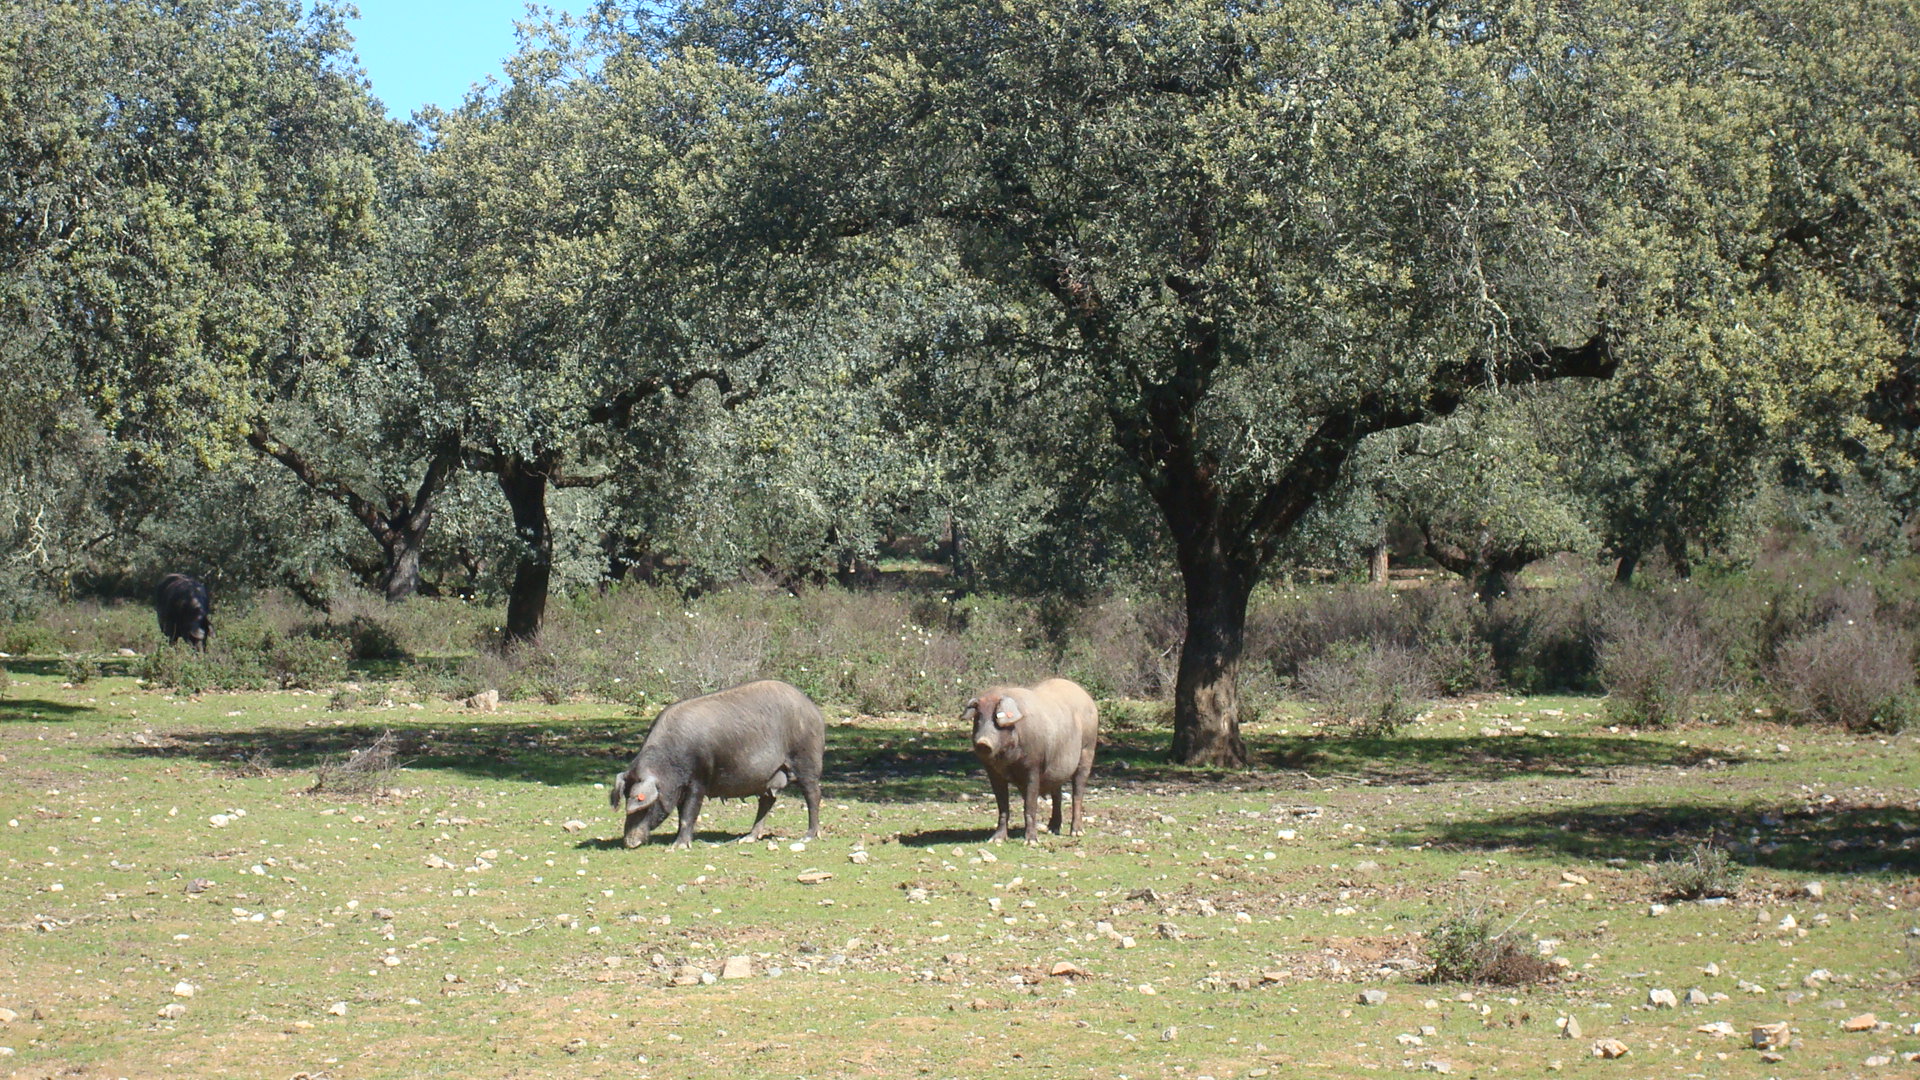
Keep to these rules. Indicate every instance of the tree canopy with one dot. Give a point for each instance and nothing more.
(757, 282)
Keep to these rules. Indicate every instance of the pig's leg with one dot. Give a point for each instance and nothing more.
(1080, 777)
(689, 813)
(1000, 796)
(1053, 823)
(1031, 789)
(759, 820)
(810, 791)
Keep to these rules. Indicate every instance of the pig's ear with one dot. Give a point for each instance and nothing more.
(619, 793)
(972, 712)
(1007, 714)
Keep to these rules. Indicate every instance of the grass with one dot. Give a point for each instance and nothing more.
(470, 928)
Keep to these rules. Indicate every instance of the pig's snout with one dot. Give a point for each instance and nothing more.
(637, 830)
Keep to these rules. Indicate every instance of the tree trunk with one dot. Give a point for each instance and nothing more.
(1206, 697)
(962, 566)
(1500, 576)
(525, 486)
(1677, 554)
(1377, 566)
(400, 578)
(1629, 561)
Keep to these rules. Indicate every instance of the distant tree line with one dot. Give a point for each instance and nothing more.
(1076, 291)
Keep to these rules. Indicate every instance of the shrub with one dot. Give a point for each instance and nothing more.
(1465, 947)
(176, 667)
(367, 770)
(79, 670)
(369, 638)
(1289, 630)
(1122, 647)
(1853, 671)
(1546, 640)
(1706, 870)
(1376, 689)
(1449, 632)
(305, 663)
(1655, 661)
(29, 639)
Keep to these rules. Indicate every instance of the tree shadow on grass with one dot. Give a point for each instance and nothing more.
(1435, 759)
(1842, 838)
(29, 709)
(553, 753)
(873, 765)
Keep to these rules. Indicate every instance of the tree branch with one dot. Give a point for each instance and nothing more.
(260, 437)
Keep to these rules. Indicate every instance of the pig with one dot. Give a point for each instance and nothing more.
(185, 610)
(751, 739)
(1040, 737)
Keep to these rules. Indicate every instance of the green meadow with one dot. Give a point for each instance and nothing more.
(180, 901)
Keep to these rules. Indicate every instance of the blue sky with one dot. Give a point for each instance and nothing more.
(428, 52)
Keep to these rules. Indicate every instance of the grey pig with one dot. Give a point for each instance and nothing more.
(1039, 737)
(751, 739)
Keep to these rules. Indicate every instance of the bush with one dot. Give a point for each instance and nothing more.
(1450, 632)
(177, 667)
(30, 639)
(304, 663)
(367, 770)
(1655, 662)
(1465, 947)
(1853, 671)
(1119, 646)
(1546, 640)
(1288, 630)
(1376, 689)
(79, 670)
(1706, 870)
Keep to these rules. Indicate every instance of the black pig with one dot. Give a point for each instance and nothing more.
(185, 608)
(752, 739)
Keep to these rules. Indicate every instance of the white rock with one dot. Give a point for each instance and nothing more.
(1662, 999)
(1720, 1028)
(1771, 1036)
(183, 989)
(338, 1008)
(1373, 997)
(172, 1010)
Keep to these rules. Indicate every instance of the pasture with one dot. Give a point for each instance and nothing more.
(177, 901)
